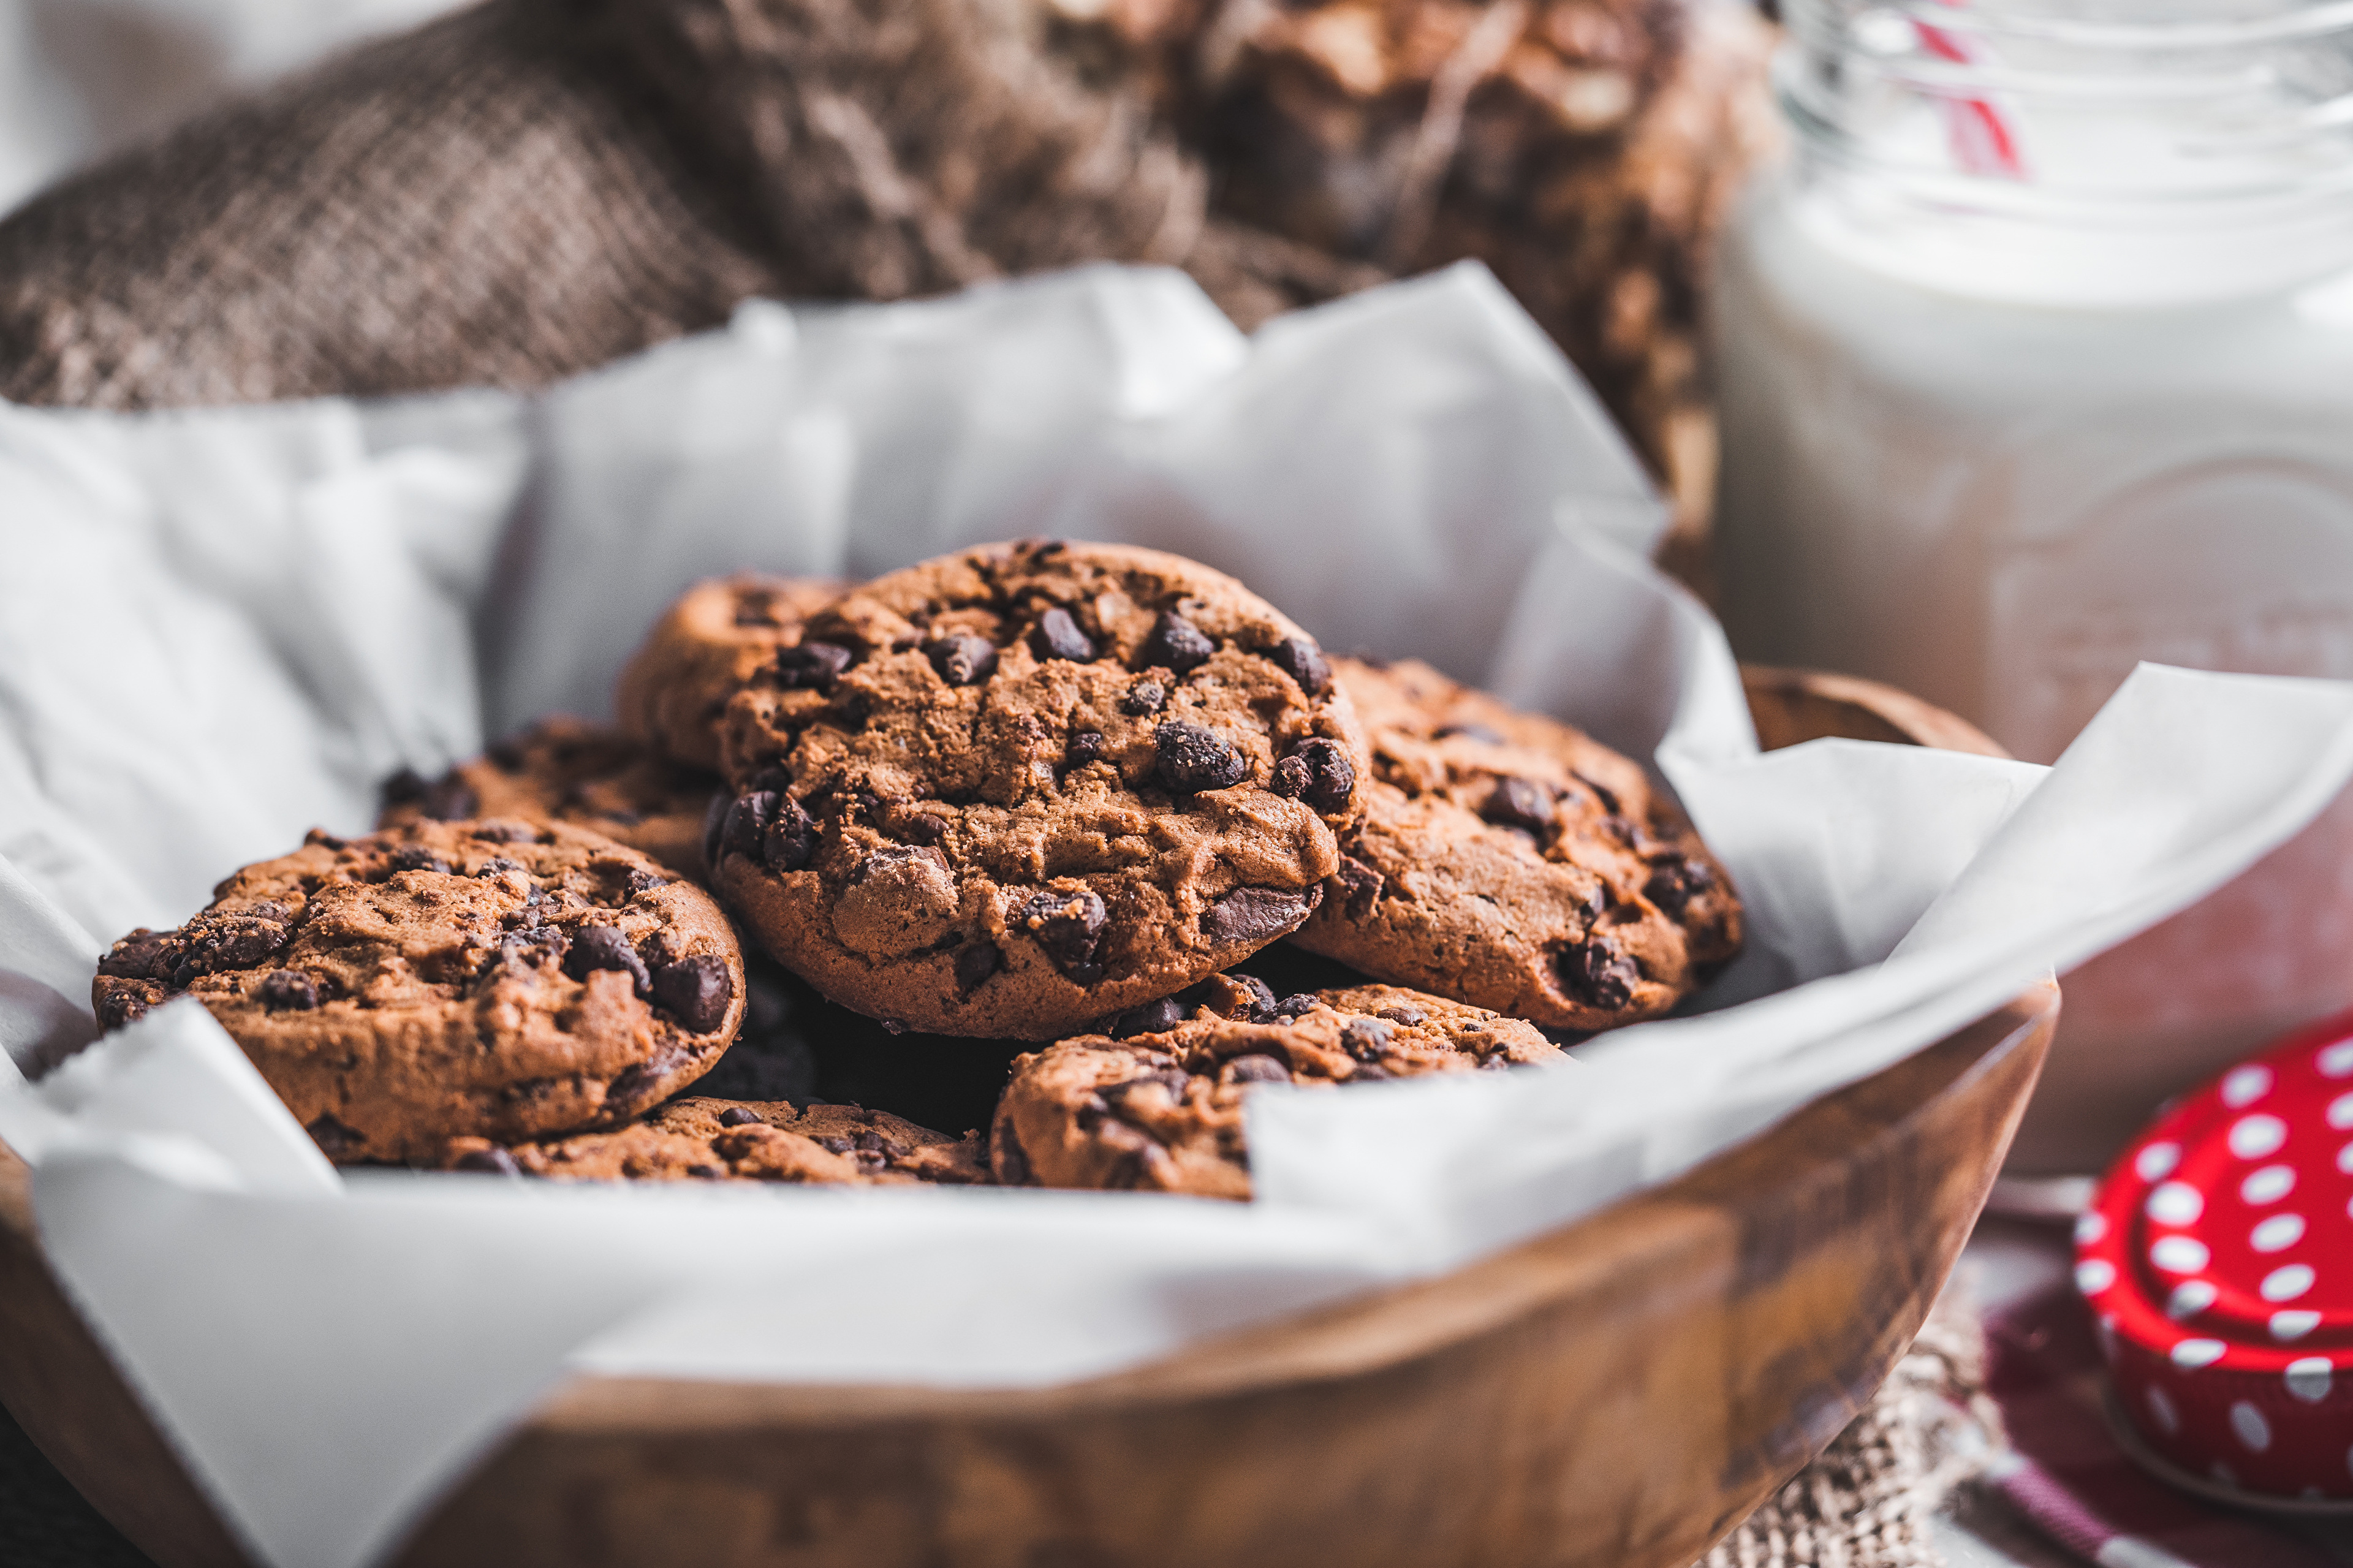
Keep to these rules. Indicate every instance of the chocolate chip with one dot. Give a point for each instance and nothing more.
(1370, 1072)
(1603, 793)
(335, 1138)
(1144, 697)
(119, 1005)
(706, 1173)
(1176, 644)
(1007, 1158)
(1403, 1014)
(1674, 881)
(1360, 885)
(211, 942)
(1257, 1067)
(1055, 636)
(1070, 927)
(926, 829)
(1298, 1004)
(1193, 759)
(962, 660)
(791, 836)
(144, 954)
(1254, 915)
(1519, 802)
(284, 989)
(499, 865)
(836, 1145)
(813, 666)
(977, 963)
(450, 799)
(506, 832)
(1318, 772)
(697, 989)
(530, 950)
(506, 754)
(739, 1116)
(416, 857)
(321, 835)
(402, 786)
(746, 828)
(1365, 1038)
(1303, 662)
(1260, 1009)
(756, 608)
(1472, 732)
(868, 1140)
(606, 947)
(868, 1159)
(1596, 972)
(1151, 1018)
(488, 1162)
(1173, 1079)
(1084, 747)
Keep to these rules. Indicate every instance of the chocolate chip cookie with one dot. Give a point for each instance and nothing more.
(564, 770)
(1511, 861)
(705, 647)
(499, 978)
(1011, 791)
(745, 1141)
(1156, 1105)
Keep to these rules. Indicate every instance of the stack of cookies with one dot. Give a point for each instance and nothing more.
(1099, 801)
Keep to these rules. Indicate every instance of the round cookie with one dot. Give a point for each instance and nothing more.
(1511, 861)
(564, 770)
(502, 979)
(698, 1139)
(1009, 791)
(704, 648)
(1160, 1110)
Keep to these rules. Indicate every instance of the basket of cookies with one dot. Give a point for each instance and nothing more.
(1007, 929)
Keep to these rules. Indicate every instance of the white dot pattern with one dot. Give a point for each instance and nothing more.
(2336, 1061)
(2191, 1354)
(2267, 1185)
(2248, 1425)
(2277, 1234)
(2293, 1324)
(2092, 1225)
(2243, 1086)
(2253, 1137)
(2340, 1112)
(2308, 1378)
(2094, 1275)
(2190, 1298)
(2175, 1203)
(2179, 1254)
(2156, 1162)
(2287, 1282)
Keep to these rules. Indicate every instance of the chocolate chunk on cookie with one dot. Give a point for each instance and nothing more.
(564, 770)
(706, 646)
(1511, 861)
(1159, 1107)
(1045, 783)
(698, 1139)
(496, 978)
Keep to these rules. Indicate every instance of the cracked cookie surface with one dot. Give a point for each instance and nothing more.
(675, 687)
(1156, 1106)
(502, 978)
(1012, 791)
(700, 1139)
(567, 770)
(1512, 862)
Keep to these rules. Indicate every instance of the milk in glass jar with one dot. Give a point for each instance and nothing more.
(2036, 360)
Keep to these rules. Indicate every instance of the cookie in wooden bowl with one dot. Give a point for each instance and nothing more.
(1508, 861)
(697, 1138)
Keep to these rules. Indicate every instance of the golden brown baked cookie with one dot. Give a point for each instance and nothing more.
(498, 978)
(1511, 861)
(567, 770)
(1009, 792)
(706, 646)
(698, 1139)
(1161, 1109)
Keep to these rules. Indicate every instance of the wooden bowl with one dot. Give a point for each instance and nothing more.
(1618, 1392)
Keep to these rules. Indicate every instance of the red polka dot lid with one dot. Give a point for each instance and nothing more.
(2219, 1262)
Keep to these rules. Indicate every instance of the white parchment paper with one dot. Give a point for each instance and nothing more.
(218, 629)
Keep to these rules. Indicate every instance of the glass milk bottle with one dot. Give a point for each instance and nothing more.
(2037, 361)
